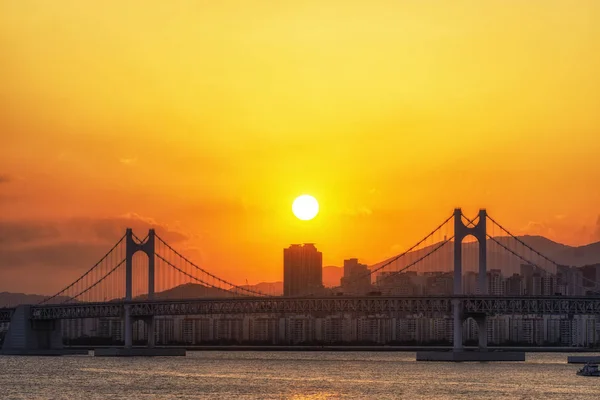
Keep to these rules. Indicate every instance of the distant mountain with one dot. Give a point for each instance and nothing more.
(560, 253)
(271, 288)
(13, 299)
(498, 257)
(188, 291)
(332, 276)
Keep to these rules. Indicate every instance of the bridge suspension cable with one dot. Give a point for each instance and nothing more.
(393, 259)
(87, 274)
(418, 260)
(93, 285)
(234, 287)
(375, 268)
(471, 222)
(528, 261)
(523, 243)
(592, 283)
(201, 281)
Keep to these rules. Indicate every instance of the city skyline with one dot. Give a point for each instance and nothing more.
(141, 280)
(585, 256)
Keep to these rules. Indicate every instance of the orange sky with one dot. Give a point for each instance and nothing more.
(208, 118)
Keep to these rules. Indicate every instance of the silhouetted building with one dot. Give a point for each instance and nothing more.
(356, 279)
(496, 283)
(548, 285)
(438, 283)
(302, 270)
(514, 285)
(527, 275)
(470, 283)
(407, 283)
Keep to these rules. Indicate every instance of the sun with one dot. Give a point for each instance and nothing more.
(305, 207)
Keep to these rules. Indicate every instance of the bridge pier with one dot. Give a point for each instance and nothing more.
(150, 329)
(32, 337)
(128, 326)
(457, 343)
(482, 332)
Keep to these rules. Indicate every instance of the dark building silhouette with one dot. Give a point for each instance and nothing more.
(302, 270)
(357, 279)
(514, 285)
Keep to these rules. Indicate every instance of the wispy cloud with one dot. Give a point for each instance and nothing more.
(128, 161)
(4, 178)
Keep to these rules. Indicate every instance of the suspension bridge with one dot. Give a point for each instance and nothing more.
(466, 268)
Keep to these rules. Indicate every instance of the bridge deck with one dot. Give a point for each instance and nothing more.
(429, 305)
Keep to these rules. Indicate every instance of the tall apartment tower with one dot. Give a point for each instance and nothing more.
(302, 270)
(356, 279)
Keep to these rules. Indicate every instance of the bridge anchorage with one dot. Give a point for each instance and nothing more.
(141, 284)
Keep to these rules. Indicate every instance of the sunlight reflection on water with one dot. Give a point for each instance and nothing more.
(290, 375)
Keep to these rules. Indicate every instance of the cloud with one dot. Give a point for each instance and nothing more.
(92, 230)
(4, 178)
(50, 254)
(57, 257)
(538, 229)
(13, 232)
(128, 161)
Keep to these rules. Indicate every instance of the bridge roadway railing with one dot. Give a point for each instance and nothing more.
(471, 305)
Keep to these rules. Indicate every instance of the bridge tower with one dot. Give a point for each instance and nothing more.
(132, 247)
(478, 231)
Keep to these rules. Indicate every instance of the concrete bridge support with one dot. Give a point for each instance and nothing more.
(128, 327)
(482, 332)
(150, 330)
(30, 337)
(457, 342)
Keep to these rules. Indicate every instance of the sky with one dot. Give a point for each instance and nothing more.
(206, 119)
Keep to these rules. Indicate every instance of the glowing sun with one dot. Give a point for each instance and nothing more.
(305, 207)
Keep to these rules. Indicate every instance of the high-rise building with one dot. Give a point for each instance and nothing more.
(470, 283)
(356, 278)
(527, 274)
(407, 283)
(438, 283)
(514, 285)
(548, 285)
(496, 283)
(536, 285)
(302, 270)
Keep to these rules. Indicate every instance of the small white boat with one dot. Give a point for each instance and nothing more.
(589, 369)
